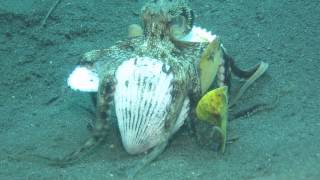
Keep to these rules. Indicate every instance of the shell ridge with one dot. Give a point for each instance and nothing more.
(145, 97)
(153, 114)
(121, 112)
(182, 115)
(139, 108)
(144, 114)
(149, 116)
(129, 84)
(159, 110)
(123, 76)
(127, 104)
(133, 106)
(147, 113)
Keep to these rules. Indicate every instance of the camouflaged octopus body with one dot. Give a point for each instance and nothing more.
(155, 80)
(145, 122)
(182, 63)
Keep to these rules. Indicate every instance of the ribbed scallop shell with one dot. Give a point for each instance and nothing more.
(142, 97)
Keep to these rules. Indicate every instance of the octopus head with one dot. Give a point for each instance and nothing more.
(166, 18)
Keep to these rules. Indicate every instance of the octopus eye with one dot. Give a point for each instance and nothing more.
(181, 22)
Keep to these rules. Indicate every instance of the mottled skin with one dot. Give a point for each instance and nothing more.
(160, 19)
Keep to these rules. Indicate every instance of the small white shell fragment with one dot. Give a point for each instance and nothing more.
(83, 79)
(198, 34)
(142, 97)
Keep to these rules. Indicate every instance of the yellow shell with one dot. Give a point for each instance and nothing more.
(213, 109)
(209, 63)
(134, 30)
(213, 106)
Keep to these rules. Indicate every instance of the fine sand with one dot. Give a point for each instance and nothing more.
(40, 115)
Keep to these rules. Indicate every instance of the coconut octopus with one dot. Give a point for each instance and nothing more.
(166, 72)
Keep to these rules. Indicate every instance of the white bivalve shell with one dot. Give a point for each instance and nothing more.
(198, 34)
(83, 79)
(142, 98)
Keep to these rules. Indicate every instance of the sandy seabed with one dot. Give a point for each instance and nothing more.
(40, 115)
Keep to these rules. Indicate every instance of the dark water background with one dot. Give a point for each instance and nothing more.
(40, 115)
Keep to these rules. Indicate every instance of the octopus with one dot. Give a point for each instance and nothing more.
(168, 72)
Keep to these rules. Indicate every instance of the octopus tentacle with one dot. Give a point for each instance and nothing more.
(100, 128)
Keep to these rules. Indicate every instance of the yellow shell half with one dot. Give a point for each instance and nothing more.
(213, 109)
(210, 60)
